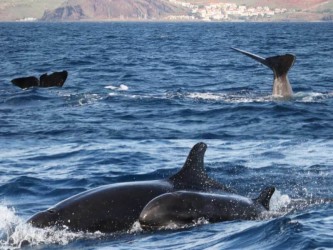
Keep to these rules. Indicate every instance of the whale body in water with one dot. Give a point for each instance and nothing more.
(182, 208)
(116, 207)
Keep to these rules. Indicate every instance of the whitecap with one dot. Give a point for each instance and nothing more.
(136, 228)
(311, 96)
(15, 232)
(121, 87)
(201, 221)
(228, 98)
(87, 99)
(206, 96)
(279, 201)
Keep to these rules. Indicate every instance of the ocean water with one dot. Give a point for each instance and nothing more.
(138, 97)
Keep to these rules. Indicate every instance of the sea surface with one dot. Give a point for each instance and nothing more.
(138, 97)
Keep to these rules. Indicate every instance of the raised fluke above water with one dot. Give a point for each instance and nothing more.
(56, 79)
(280, 65)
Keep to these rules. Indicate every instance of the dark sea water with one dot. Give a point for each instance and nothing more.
(138, 97)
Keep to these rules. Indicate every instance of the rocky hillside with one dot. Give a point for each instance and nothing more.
(12, 10)
(112, 10)
(65, 13)
(70, 10)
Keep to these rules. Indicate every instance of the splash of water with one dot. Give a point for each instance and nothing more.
(136, 228)
(15, 233)
(121, 87)
(279, 201)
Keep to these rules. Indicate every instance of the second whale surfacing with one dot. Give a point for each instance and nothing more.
(280, 66)
(182, 208)
(116, 207)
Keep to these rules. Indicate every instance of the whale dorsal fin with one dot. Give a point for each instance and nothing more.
(265, 197)
(193, 174)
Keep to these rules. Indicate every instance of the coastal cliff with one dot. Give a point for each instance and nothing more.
(187, 10)
(112, 9)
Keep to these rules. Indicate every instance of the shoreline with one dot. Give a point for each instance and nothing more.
(164, 21)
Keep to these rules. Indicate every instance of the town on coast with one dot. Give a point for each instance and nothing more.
(225, 11)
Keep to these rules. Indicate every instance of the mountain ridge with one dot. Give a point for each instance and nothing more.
(113, 9)
(136, 10)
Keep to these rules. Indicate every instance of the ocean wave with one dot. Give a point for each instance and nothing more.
(224, 97)
(312, 97)
(306, 97)
(228, 97)
(16, 233)
(121, 87)
(82, 99)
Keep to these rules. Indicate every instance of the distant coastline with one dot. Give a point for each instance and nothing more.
(166, 11)
(164, 21)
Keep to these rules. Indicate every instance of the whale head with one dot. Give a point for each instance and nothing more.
(47, 218)
(167, 211)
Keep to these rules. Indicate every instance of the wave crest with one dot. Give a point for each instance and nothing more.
(15, 232)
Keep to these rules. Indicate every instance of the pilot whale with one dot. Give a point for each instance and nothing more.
(280, 65)
(116, 207)
(182, 208)
(56, 79)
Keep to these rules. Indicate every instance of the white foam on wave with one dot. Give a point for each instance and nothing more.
(312, 96)
(200, 221)
(136, 228)
(7, 220)
(207, 96)
(228, 98)
(279, 201)
(89, 99)
(15, 232)
(171, 225)
(253, 97)
(121, 87)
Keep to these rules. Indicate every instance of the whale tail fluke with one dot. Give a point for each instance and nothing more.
(56, 79)
(265, 197)
(279, 64)
(26, 82)
(253, 56)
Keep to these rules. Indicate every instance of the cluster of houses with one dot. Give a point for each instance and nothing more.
(225, 11)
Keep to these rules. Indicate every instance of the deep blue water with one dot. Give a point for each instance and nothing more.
(138, 97)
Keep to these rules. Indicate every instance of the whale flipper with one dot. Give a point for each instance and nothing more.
(56, 79)
(280, 65)
(193, 174)
(265, 197)
(26, 82)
